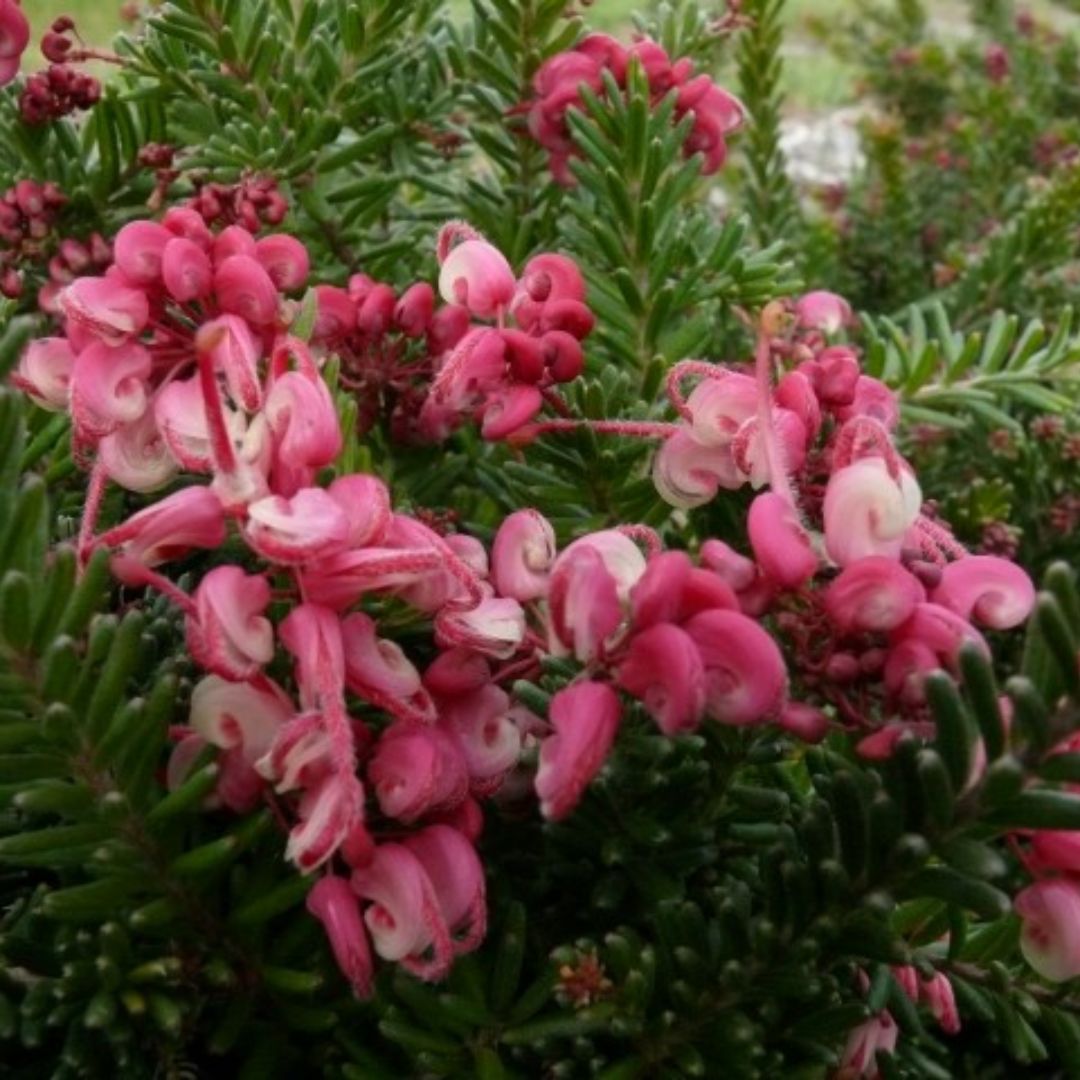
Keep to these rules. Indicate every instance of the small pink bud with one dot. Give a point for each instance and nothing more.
(457, 671)
(804, 721)
(525, 356)
(335, 313)
(736, 570)
(414, 311)
(448, 326)
(824, 311)
(375, 313)
(938, 995)
(234, 240)
(563, 355)
(569, 316)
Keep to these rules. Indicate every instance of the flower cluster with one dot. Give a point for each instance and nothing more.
(557, 87)
(188, 356)
(57, 91)
(432, 368)
(28, 212)
(897, 595)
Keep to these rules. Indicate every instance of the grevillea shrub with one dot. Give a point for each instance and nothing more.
(467, 609)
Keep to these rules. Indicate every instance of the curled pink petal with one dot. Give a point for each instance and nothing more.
(108, 387)
(486, 733)
(745, 677)
(720, 406)
(235, 353)
(657, 595)
(138, 250)
(328, 812)
(137, 457)
(990, 591)
(239, 714)
(687, 473)
(495, 627)
(736, 570)
(186, 270)
(106, 307)
(867, 512)
(508, 410)
(417, 770)
(365, 501)
(285, 259)
(824, 311)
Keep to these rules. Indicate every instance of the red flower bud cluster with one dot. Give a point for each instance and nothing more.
(58, 91)
(253, 202)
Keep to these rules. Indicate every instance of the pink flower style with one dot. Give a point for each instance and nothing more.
(557, 84)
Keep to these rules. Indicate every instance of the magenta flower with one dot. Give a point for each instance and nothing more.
(781, 545)
(480, 721)
(664, 669)
(186, 270)
(228, 633)
(14, 37)
(476, 275)
(108, 387)
(333, 902)
(294, 530)
(44, 372)
(584, 719)
(417, 770)
(109, 308)
(868, 511)
(874, 594)
(522, 555)
(824, 311)
(1050, 934)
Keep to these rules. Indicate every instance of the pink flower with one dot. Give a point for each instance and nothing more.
(489, 739)
(806, 722)
(14, 37)
(294, 530)
(872, 399)
(584, 718)
(304, 422)
(240, 715)
(376, 663)
(720, 406)
(663, 669)
(107, 307)
(552, 277)
(404, 915)
(108, 387)
(136, 456)
(180, 416)
(414, 311)
(824, 311)
(745, 677)
(187, 519)
(45, 369)
(781, 545)
(657, 596)
(417, 770)
(736, 570)
(333, 902)
(590, 583)
(477, 275)
(328, 813)
(244, 288)
(874, 594)
(229, 634)
(312, 634)
(873, 1036)
(687, 473)
(867, 512)
(522, 555)
(186, 270)
(991, 591)
(507, 410)
(454, 870)
(1050, 935)
(138, 249)
(285, 259)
